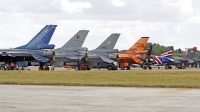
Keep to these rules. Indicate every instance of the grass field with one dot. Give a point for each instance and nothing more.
(185, 79)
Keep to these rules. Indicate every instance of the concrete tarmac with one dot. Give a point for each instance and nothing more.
(26, 98)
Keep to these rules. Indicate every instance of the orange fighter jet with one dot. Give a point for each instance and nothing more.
(134, 55)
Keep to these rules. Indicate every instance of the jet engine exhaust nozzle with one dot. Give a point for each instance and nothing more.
(50, 54)
(114, 56)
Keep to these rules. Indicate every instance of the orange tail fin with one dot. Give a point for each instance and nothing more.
(139, 45)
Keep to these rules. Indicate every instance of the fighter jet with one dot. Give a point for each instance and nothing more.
(71, 51)
(164, 59)
(180, 62)
(197, 60)
(31, 51)
(104, 56)
(135, 55)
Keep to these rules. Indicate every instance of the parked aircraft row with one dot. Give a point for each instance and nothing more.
(167, 59)
(73, 55)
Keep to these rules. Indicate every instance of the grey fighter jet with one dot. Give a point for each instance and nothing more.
(72, 50)
(180, 62)
(104, 56)
(33, 50)
(197, 59)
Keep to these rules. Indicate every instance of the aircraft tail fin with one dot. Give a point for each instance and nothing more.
(186, 51)
(168, 51)
(41, 40)
(139, 45)
(77, 40)
(191, 53)
(110, 42)
(168, 54)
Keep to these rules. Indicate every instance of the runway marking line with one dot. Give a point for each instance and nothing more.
(174, 91)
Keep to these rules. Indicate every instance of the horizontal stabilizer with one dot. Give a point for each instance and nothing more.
(39, 58)
(106, 59)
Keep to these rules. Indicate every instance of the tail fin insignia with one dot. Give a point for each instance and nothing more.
(78, 37)
(139, 45)
(77, 40)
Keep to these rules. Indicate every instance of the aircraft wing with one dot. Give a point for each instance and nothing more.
(106, 59)
(176, 61)
(23, 53)
(39, 58)
(190, 61)
(170, 59)
(197, 60)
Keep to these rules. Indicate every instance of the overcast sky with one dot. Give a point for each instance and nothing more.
(167, 22)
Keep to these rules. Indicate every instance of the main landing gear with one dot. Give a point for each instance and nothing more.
(113, 66)
(145, 67)
(44, 66)
(181, 66)
(168, 67)
(125, 68)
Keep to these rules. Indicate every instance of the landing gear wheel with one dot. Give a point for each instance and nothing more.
(144, 67)
(122, 68)
(109, 67)
(41, 68)
(158, 67)
(150, 67)
(88, 68)
(52, 69)
(128, 68)
(46, 68)
(2, 68)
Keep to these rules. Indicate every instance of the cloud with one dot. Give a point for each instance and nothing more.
(117, 3)
(18, 15)
(14, 8)
(167, 22)
(185, 6)
(194, 19)
(71, 7)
